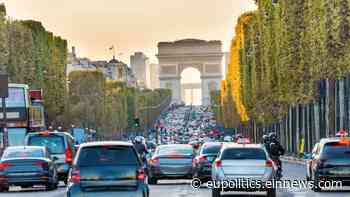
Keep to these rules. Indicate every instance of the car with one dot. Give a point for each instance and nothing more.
(243, 161)
(329, 161)
(174, 161)
(60, 145)
(203, 162)
(109, 168)
(27, 166)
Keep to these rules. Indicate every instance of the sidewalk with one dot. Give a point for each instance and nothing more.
(294, 160)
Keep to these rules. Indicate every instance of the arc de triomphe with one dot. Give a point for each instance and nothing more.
(205, 56)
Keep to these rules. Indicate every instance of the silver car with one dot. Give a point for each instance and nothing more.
(238, 162)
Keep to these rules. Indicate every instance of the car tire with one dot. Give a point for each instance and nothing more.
(215, 192)
(316, 188)
(4, 189)
(152, 181)
(271, 193)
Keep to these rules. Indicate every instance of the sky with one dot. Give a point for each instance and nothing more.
(93, 26)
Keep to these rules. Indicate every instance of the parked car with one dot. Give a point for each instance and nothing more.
(27, 166)
(60, 145)
(203, 162)
(243, 161)
(107, 169)
(330, 160)
(175, 161)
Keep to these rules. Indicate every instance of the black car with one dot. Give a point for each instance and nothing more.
(330, 161)
(107, 169)
(204, 160)
(60, 145)
(27, 166)
(173, 161)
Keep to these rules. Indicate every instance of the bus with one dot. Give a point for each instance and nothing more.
(24, 114)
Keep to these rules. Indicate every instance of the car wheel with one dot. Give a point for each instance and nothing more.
(271, 193)
(152, 181)
(215, 192)
(316, 187)
(4, 189)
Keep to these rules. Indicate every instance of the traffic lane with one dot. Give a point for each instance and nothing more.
(298, 172)
(183, 188)
(31, 192)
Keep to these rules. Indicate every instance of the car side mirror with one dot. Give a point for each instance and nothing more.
(308, 155)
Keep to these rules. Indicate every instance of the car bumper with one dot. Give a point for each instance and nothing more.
(63, 170)
(76, 191)
(160, 173)
(25, 179)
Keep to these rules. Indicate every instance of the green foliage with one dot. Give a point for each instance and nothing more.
(288, 46)
(110, 106)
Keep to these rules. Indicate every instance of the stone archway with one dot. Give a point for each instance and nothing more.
(174, 57)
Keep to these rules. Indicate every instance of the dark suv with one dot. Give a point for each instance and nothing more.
(107, 169)
(330, 161)
(60, 146)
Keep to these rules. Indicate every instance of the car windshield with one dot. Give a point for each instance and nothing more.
(20, 153)
(210, 149)
(54, 143)
(243, 153)
(109, 155)
(183, 150)
(336, 150)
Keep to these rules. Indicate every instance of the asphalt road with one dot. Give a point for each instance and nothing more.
(182, 188)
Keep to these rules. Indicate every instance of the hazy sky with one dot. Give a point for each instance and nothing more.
(131, 25)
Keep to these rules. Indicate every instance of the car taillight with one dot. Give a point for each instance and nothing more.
(202, 158)
(140, 174)
(41, 164)
(4, 166)
(218, 163)
(269, 163)
(68, 154)
(75, 175)
(154, 161)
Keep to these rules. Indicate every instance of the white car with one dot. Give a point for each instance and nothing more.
(243, 161)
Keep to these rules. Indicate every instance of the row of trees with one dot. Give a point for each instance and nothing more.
(279, 53)
(111, 106)
(32, 55)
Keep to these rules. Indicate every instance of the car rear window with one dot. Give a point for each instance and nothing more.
(185, 150)
(243, 153)
(109, 155)
(54, 143)
(211, 149)
(336, 150)
(23, 153)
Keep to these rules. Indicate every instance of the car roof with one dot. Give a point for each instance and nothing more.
(52, 132)
(328, 140)
(25, 147)
(105, 143)
(235, 145)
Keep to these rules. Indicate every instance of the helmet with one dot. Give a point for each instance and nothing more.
(273, 136)
(266, 138)
(139, 139)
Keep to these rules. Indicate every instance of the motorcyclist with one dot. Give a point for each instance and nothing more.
(276, 150)
(140, 147)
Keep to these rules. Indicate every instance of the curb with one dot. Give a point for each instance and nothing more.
(294, 160)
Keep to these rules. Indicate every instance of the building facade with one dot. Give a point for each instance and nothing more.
(139, 63)
(154, 76)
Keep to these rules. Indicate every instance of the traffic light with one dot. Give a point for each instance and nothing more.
(136, 122)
